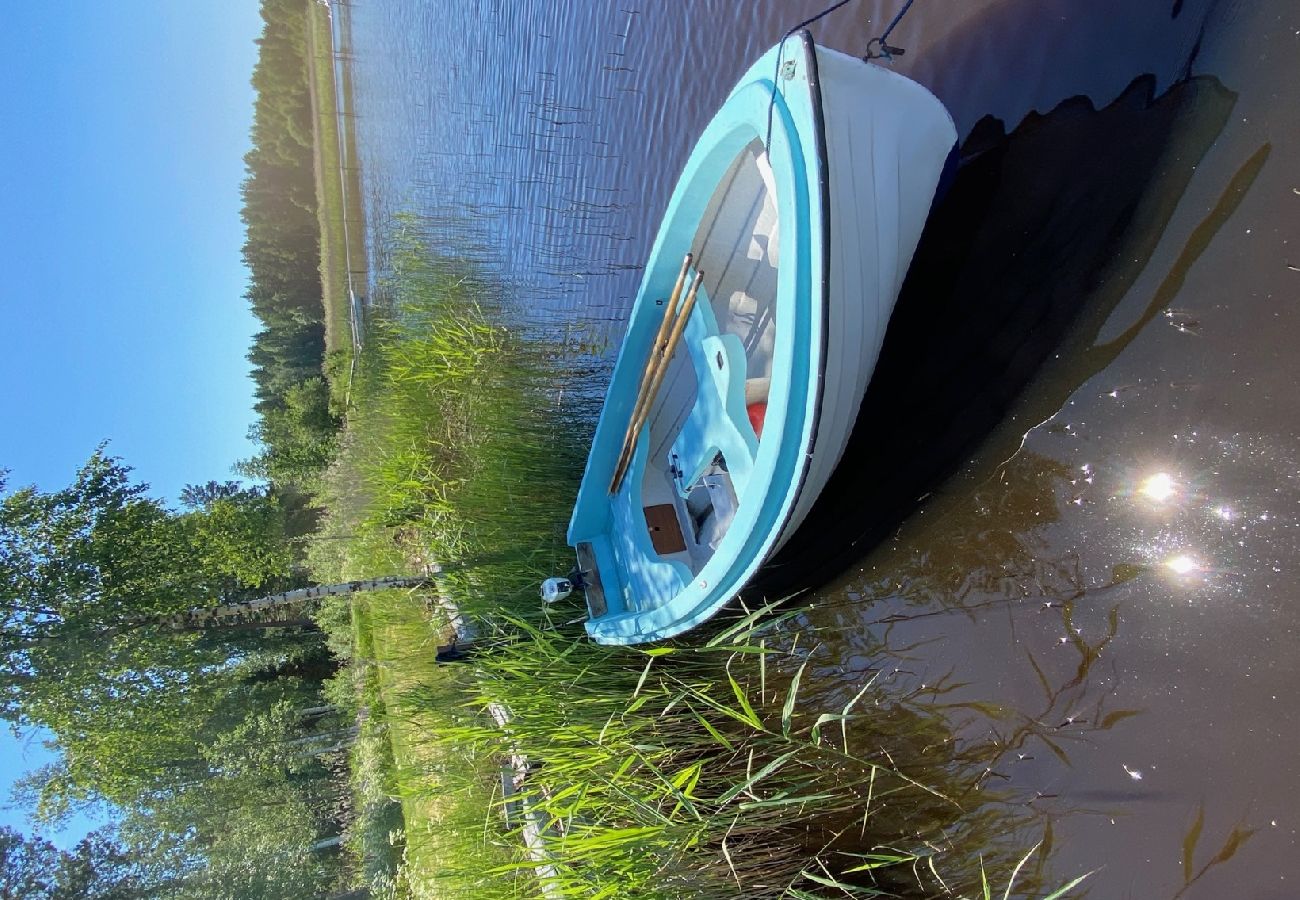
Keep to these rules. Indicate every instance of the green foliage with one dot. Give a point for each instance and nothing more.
(446, 820)
(451, 450)
(207, 740)
(233, 837)
(27, 867)
(93, 555)
(282, 252)
(201, 496)
(377, 837)
(196, 736)
(31, 868)
(103, 555)
(334, 616)
(242, 538)
(299, 436)
(281, 248)
(91, 578)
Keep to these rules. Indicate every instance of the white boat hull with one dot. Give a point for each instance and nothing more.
(887, 139)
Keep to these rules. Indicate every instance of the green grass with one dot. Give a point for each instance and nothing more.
(705, 768)
(447, 790)
(338, 197)
(375, 837)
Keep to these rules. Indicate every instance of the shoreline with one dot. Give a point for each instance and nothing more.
(343, 264)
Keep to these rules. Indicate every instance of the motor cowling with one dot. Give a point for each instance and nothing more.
(556, 589)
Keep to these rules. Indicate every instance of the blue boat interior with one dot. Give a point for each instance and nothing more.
(694, 459)
(678, 536)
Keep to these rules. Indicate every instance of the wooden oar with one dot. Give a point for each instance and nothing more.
(652, 361)
(643, 413)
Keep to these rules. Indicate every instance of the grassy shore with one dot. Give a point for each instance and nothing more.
(703, 768)
(338, 191)
(446, 791)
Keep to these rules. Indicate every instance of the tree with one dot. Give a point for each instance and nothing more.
(299, 436)
(282, 252)
(201, 496)
(143, 639)
(26, 865)
(101, 554)
(130, 630)
(98, 868)
(240, 836)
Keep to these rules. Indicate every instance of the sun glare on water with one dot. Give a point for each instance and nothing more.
(1159, 487)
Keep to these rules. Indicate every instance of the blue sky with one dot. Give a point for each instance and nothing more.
(122, 133)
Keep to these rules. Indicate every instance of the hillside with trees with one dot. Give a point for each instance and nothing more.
(282, 252)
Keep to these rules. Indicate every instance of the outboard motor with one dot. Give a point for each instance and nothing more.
(556, 589)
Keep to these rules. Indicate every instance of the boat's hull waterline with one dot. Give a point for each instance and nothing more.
(743, 368)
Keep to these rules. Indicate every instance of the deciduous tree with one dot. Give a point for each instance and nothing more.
(133, 632)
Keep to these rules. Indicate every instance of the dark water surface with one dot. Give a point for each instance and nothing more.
(1073, 498)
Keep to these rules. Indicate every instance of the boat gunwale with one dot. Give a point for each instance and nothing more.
(823, 187)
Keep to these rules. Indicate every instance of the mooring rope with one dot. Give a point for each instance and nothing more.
(776, 74)
(806, 22)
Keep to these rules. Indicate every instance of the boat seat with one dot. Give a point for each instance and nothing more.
(718, 422)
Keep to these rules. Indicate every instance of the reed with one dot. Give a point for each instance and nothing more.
(731, 767)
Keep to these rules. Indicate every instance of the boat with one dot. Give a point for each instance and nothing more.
(753, 335)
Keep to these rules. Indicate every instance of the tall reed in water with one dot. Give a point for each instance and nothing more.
(712, 768)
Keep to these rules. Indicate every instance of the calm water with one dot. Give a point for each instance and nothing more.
(1072, 503)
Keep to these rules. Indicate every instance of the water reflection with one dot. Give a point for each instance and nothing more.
(502, 158)
(1034, 247)
(939, 635)
(951, 801)
(1108, 662)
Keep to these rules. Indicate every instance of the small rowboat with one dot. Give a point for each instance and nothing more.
(753, 335)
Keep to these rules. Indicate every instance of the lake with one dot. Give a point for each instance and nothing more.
(1067, 525)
